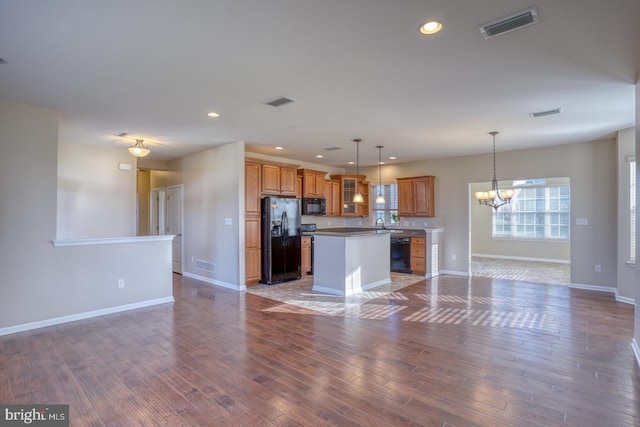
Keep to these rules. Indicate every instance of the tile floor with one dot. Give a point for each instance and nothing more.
(526, 271)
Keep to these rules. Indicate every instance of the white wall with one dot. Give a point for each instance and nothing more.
(637, 279)
(40, 282)
(95, 198)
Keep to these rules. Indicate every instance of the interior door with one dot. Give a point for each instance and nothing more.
(174, 224)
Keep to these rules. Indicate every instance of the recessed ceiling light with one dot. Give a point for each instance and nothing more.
(392, 158)
(213, 114)
(279, 148)
(430, 27)
(351, 163)
(319, 156)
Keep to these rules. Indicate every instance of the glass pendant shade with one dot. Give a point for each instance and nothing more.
(139, 149)
(380, 199)
(357, 198)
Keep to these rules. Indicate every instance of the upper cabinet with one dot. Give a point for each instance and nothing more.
(333, 197)
(312, 183)
(416, 196)
(349, 184)
(252, 187)
(278, 179)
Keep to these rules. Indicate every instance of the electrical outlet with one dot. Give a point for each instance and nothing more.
(120, 283)
(598, 268)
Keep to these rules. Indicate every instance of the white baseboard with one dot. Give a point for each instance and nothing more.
(215, 282)
(593, 288)
(454, 272)
(625, 300)
(80, 316)
(636, 350)
(522, 258)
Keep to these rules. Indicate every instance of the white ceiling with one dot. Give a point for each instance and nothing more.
(356, 68)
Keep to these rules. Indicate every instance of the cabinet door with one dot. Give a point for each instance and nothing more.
(405, 198)
(305, 258)
(252, 188)
(418, 252)
(347, 207)
(288, 181)
(319, 184)
(270, 179)
(423, 195)
(309, 183)
(335, 198)
(252, 250)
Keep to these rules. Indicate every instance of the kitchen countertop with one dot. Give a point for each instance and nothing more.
(357, 231)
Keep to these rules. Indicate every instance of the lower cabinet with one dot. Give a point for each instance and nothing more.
(306, 255)
(418, 253)
(252, 252)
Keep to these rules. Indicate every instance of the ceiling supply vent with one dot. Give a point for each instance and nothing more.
(546, 113)
(280, 101)
(333, 148)
(509, 23)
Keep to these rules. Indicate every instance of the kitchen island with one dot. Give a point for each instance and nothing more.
(349, 261)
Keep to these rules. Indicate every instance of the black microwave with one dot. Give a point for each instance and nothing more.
(314, 206)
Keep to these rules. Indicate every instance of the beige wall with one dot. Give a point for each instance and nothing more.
(626, 144)
(591, 168)
(40, 282)
(637, 278)
(95, 198)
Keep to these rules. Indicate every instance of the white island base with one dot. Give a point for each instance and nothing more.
(347, 264)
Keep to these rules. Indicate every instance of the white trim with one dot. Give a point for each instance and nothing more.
(520, 258)
(455, 273)
(111, 240)
(215, 282)
(593, 288)
(636, 350)
(81, 316)
(625, 300)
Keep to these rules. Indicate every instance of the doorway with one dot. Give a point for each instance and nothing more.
(527, 239)
(166, 218)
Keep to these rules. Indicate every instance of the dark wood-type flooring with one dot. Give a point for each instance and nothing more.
(451, 351)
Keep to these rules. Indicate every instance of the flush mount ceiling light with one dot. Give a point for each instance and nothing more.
(357, 198)
(380, 198)
(430, 27)
(494, 197)
(139, 149)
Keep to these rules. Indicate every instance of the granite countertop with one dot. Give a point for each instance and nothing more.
(358, 231)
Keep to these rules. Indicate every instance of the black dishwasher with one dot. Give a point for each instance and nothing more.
(400, 254)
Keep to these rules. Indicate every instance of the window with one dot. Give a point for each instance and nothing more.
(632, 209)
(539, 210)
(390, 206)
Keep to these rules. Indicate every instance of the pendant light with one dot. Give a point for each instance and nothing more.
(494, 197)
(380, 198)
(357, 198)
(139, 149)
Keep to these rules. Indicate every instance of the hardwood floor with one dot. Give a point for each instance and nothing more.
(451, 351)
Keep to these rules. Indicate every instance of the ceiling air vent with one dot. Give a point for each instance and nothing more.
(280, 101)
(333, 148)
(546, 113)
(509, 23)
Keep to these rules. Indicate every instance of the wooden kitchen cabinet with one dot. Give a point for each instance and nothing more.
(278, 180)
(418, 254)
(305, 263)
(349, 184)
(312, 183)
(416, 196)
(252, 253)
(332, 196)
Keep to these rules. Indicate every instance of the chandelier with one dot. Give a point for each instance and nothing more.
(494, 197)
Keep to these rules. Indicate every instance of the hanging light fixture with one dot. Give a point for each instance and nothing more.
(139, 149)
(494, 197)
(357, 198)
(380, 198)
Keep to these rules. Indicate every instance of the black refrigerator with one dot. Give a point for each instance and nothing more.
(281, 246)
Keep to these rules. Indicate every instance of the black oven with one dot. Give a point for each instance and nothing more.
(400, 254)
(313, 206)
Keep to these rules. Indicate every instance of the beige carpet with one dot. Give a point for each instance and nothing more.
(299, 293)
